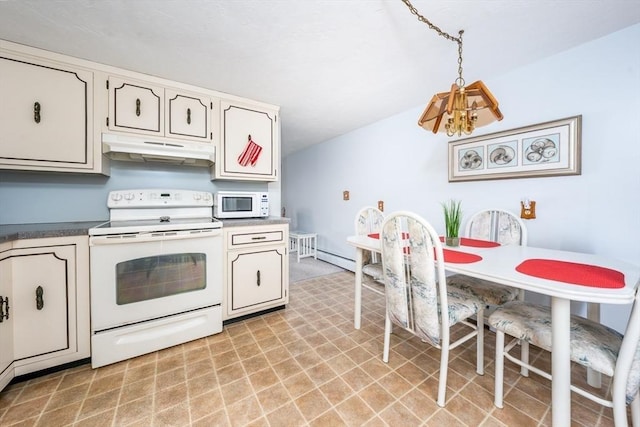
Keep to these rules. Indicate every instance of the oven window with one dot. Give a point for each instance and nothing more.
(237, 204)
(159, 276)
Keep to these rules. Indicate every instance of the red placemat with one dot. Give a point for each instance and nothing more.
(574, 273)
(457, 257)
(476, 243)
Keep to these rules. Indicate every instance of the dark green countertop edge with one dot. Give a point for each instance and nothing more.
(11, 232)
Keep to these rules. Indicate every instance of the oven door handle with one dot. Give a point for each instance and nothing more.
(155, 236)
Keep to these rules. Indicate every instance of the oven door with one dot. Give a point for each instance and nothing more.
(143, 276)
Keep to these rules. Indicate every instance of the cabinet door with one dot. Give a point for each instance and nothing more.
(6, 322)
(256, 278)
(40, 295)
(189, 116)
(248, 143)
(45, 114)
(136, 107)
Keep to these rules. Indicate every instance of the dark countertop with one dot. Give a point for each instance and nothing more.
(11, 232)
(249, 222)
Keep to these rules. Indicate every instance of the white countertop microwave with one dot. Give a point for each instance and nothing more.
(241, 204)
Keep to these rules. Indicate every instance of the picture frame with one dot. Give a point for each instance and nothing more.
(545, 149)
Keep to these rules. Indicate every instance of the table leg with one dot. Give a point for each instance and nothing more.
(594, 379)
(560, 362)
(358, 289)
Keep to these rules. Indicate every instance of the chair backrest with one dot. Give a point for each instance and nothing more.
(369, 220)
(497, 225)
(628, 363)
(414, 282)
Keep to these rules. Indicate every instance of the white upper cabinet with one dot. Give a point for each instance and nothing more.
(46, 115)
(189, 115)
(249, 143)
(143, 108)
(136, 107)
(64, 114)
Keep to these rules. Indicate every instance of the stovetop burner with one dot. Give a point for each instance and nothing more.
(144, 211)
(151, 225)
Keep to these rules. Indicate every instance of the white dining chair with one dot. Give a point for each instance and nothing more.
(505, 228)
(417, 297)
(368, 221)
(593, 345)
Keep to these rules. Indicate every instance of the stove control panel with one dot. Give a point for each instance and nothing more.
(153, 198)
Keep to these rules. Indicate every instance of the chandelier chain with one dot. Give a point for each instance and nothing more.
(459, 80)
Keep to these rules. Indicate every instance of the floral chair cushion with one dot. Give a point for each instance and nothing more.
(593, 345)
(489, 292)
(374, 270)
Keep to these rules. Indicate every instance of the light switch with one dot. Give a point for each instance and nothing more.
(527, 209)
(345, 195)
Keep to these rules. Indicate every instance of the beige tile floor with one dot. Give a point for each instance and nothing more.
(305, 365)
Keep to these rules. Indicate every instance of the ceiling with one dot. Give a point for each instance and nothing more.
(331, 65)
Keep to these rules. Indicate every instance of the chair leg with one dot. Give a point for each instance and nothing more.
(499, 384)
(524, 357)
(387, 338)
(442, 381)
(635, 411)
(480, 343)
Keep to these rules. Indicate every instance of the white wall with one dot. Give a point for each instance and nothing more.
(31, 197)
(396, 161)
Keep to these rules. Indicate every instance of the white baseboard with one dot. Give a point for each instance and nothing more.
(336, 260)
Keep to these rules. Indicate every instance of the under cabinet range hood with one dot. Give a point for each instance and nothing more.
(143, 149)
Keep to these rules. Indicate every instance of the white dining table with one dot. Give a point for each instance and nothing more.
(498, 264)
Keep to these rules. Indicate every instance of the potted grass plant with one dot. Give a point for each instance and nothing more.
(452, 219)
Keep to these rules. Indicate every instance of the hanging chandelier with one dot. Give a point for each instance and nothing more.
(463, 108)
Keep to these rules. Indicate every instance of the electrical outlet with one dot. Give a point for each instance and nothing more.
(380, 205)
(345, 195)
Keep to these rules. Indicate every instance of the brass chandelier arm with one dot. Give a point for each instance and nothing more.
(461, 109)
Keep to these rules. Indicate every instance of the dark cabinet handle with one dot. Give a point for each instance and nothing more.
(138, 107)
(258, 277)
(188, 116)
(36, 112)
(39, 298)
(4, 314)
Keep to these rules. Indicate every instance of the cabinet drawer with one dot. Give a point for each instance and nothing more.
(244, 239)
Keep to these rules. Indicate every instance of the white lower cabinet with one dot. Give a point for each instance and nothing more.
(47, 283)
(256, 269)
(6, 320)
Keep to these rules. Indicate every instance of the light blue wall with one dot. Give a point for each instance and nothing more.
(396, 161)
(44, 197)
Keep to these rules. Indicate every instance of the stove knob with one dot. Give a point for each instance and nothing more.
(116, 197)
(206, 197)
(129, 196)
(196, 196)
